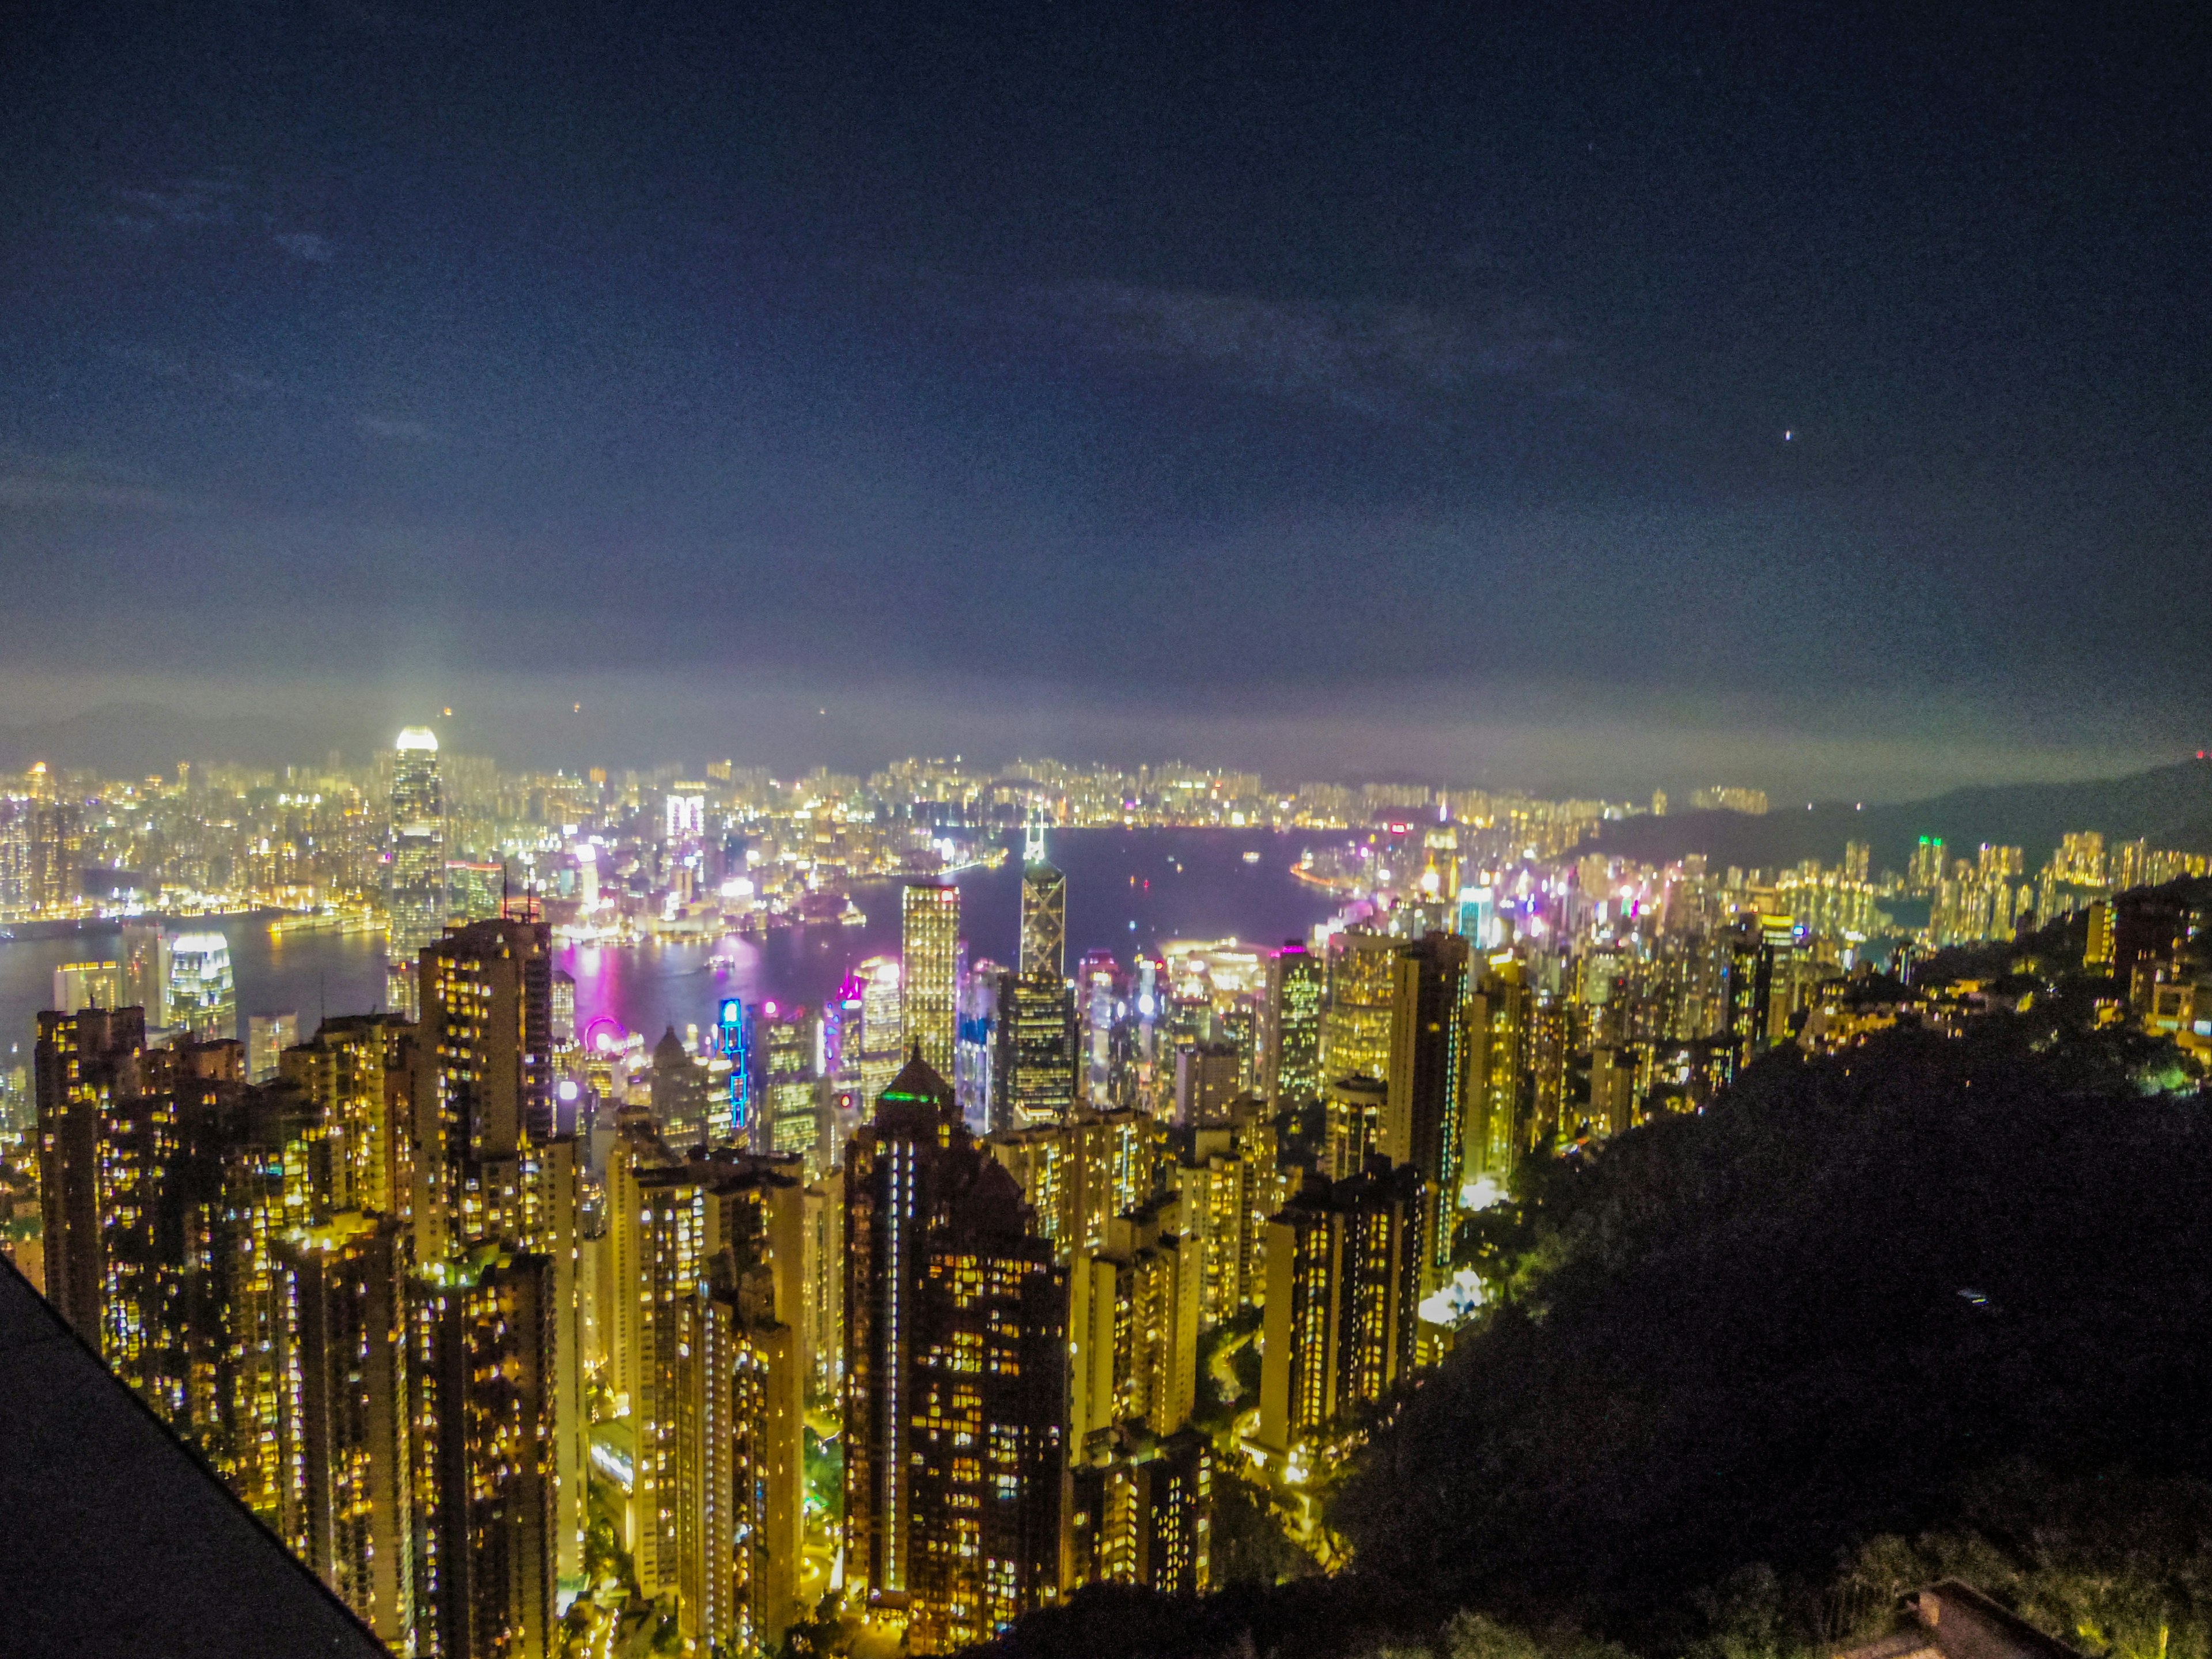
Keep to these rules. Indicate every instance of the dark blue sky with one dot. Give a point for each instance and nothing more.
(1351, 389)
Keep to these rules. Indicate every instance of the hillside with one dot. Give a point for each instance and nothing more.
(1937, 1305)
(2170, 806)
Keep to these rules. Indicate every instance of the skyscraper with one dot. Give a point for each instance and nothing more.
(929, 1009)
(1420, 1123)
(88, 985)
(1344, 1261)
(480, 1363)
(1355, 1027)
(483, 1082)
(417, 901)
(1291, 1068)
(202, 998)
(1035, 1080)
(1044, 912)
(955, 1378)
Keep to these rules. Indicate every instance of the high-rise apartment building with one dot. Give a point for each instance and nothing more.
(481, 1431)
(1140, 1511)
(1133, 1320)
(355, 1076)
(341, 1341)
(881, 1048)
(87, 1074)
(955, 1376)
(1420, 1124)
(1296, 987)
(267, 1036)
(929, 967)
(483, 1082)
(416, 901)
(1344, 1272)
(1355, 1027)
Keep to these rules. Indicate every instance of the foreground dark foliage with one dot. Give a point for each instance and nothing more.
(1824, 1311)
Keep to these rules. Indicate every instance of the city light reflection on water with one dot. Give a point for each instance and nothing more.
(1126, 890)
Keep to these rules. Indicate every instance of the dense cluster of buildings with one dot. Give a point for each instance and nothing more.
(922, 1302)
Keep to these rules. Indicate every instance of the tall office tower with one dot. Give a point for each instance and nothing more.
(145, 950)
(732, 1116)
(202, 1000)
(1344, 1272)
(564, 1007)
(1355, 1025)
(1421, 1116)
(929, 971)
(851, 1006)
(1134, 1322)
(985, 1006)
(483, 1082)
(418, 899)
(680, 1091)
(267, 1036)
(788, 1043)
(1097, 1007)
(882, 1050)
(1208, 1080)
(341, 1346)
(1352, 1125)
(1044, 912)
(481, 1432)
(80, 985)
(1036, 1081)
(955, 1376)
(1140, 1511)
(353, 1075)
(1496, 1097)
(87, 1067)
(1291, 1067)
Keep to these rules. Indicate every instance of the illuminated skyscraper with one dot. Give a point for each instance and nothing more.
(480, 1363)
(788, 1041)
(340, 1334)
(1421, 1116)
(201, 1000)
(955, 1378)
(1044, 912)
(1037, 1075)
(1355, 1027)
(417, 900)
(929, 970)
(882, 1053)
(79, 985)
(1343, 1299)
(354, 1075)
(1292, 1067)
(484, 1083)
(1497, 1103)
(267, 1036)
(145, 952)
(87, 1067)
(1097, 1007)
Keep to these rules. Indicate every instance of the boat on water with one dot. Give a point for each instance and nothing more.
(1253, 856)
(852, 916)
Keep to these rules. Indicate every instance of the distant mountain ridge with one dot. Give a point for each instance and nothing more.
(136, 739)
(2171, 806)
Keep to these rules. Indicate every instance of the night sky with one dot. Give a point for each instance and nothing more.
(1573, 397)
